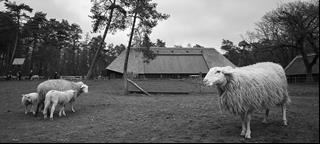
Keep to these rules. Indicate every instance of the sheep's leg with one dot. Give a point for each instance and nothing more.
(32, 109)
(64, 112)
(72, 108)
(45, 110)
(243, 131)
(284, 115)
(248, 132)
(37, 109)
(266, 116)
(52, 110)
(60, 112)
(25, 109)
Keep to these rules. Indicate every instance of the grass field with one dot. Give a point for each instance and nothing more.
(105, 115)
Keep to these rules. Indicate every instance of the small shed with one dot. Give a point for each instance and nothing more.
(18, 61)
(296, 70)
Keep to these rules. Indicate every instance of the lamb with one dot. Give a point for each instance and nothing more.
(29, 99)
(243, 90)
(55, 97)
(56, 84)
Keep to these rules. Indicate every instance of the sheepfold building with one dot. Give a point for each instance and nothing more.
(296, 70)
(168, 63)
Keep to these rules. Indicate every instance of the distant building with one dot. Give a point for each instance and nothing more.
(168, 63)
(296, 70)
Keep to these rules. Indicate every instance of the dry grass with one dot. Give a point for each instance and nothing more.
(105, 115)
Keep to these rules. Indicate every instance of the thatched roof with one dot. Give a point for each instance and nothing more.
(297, 67)
(171, 61)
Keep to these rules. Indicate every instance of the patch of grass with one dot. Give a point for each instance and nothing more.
(105, 115)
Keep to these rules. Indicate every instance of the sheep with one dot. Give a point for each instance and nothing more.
(37, 77)
(29, 99)
(243, 90)
(55, 97)
(57, 84)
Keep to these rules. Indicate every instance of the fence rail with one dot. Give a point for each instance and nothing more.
(303, 79)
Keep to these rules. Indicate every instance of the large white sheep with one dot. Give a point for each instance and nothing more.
(62, 98)
(30, 99)
(243, 90)
(56, 84)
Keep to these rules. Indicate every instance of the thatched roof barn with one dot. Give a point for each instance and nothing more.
(296, 70)
(169, 62)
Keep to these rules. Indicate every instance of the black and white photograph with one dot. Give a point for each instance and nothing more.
(159, 71)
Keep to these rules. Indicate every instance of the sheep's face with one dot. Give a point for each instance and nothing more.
(84, 88)
(217, 76)
(26, 98)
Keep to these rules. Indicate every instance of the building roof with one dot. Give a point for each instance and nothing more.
(18, 61)
(171, 61)
(297, 67)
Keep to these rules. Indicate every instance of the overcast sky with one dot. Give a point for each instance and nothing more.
(204, 22)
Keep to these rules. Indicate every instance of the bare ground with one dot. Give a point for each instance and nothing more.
(105, 115)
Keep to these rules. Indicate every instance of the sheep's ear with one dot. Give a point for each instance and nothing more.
(227, 70)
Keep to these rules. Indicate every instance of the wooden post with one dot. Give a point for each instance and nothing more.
(200, 81)
(136, 85)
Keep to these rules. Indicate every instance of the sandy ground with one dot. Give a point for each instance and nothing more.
(105, 115)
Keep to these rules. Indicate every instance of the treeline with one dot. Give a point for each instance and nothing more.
(291, 29)
(47, 45)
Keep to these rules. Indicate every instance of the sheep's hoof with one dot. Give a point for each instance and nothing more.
(243, 133)
(285, 123)
(247, 136)
(33, 113)
(25, 113)
(51, 119)
(73, 110)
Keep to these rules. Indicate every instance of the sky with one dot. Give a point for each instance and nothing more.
(203, 22)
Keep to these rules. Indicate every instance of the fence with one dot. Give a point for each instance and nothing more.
(303, 79)
(77, 78)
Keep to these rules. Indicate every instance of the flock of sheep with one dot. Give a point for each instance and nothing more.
(242, 90)
(53, 92)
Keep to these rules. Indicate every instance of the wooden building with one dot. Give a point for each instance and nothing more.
(296, 70)
(168, 63)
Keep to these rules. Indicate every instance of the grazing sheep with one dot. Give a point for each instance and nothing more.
(55, 97)
(37, 77)
(57, 84)
(29, 99)
(245, 89)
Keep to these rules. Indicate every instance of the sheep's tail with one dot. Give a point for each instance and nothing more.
(286, 98)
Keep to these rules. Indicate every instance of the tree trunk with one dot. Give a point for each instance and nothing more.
(125, 67)
(14, 48)
(306, 62)
(93, 63)
(309, 77)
